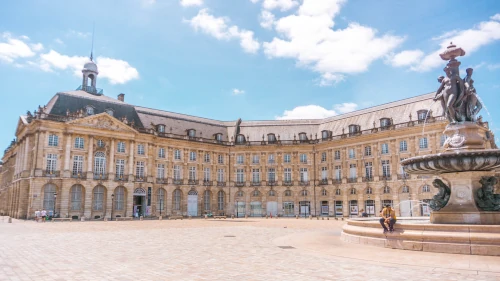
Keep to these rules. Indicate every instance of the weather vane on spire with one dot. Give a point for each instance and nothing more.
(92, 49)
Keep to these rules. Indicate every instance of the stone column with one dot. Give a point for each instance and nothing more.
(131, 161)
(111, 168)
(67, 157)
(26, 153)
(90, 158)
(109, 203)
(39, 153)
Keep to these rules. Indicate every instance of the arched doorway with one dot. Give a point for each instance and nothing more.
(139, 200)
(192, 203)
(49, 198)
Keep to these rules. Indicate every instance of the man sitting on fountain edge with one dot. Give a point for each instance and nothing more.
(388, 216)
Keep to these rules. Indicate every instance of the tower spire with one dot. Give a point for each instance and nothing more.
(92, 49)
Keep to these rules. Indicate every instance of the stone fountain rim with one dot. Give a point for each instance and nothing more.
(451, 154)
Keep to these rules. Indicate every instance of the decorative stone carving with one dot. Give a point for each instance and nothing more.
(484, 196)
(442, 197)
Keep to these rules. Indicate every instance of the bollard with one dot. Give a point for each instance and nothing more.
(206, 216)
(310, 217)
(246, 216)
(297, 216)
(317, 218)
(327, 218)
(189, 217)
(322, 218)
(82, 219)
(342, 218)
(160, 218)
(232, 216)
(336, 219)
(9, 220)
(266, 217)
(141, 218)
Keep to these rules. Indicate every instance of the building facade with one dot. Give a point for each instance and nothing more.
(85, 154)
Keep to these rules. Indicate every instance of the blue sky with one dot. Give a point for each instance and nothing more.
(249, 59)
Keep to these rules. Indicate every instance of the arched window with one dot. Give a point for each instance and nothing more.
(90, 110)
(76, 197)
(110, 112)
(272, 193)
(354, 129)
(288, 193)
(218, 137)
(271, 138)
(120, 198)
(426, 188)
(239, 193)
(191, 133)
(161, 129)
(353, 191)
(220, 200)
(324, 192)
(369, 190)
(303, 137)
(422, 114)
(387, 189)
(48, 197)
(99, 164)
(160, 199)
(405, 189)
(304, 193)
(325, 134)
(240, 139)
(256, 193)
(206, 200)
(177, 199)
(98, 198)
(338, 192)
(385, 122)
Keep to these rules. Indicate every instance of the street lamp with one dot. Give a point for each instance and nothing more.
(304, 192)
(112, 204)
(411, 211)
(237, 209)
(334, 207)
(368, 202)
(55, 200)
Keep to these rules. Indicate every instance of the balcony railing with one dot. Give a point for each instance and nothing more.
(207, 183)
(255, 183)
(323, 182)
(303, 183)
(51, 173)
(90, 89)
(100, 176)
(221, 183)
(193, 182)
(178, 181)
(123, 178)
(271, 183)
(386, 177)
(403, 176)
(161, 180)
(351, 180)
(367, 179)
(287, 183)
(140, 179)
(81, 176)
(239, 183)
(337, 181)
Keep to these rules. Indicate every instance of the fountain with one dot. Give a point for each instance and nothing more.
(465, 215)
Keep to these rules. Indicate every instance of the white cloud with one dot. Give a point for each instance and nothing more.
(59, 41)
(283, 5)
(266, 19)
(37, 47)
(218, 28)
(405, 58)
(254, 1)
(494, 66)
(13, 48)
(237, 92)
(328, 79)
(470, 40)
(345, 107)
(116, 71)
(189, 3)
(306, 112)
(308, 37)
(316, 112)
(149, 2)
(495, 17)
(445, 35)
(75, 33)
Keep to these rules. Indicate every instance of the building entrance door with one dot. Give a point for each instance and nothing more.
(192, 203)
(288, 209)
(256, 209)
(304, 208)
(272, 208)
(324, 208)
(139, 202)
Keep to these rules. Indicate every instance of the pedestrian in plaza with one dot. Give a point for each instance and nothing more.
(37, 215)
(44, 215)
(388, 217)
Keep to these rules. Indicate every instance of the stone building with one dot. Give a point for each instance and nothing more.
(85, 154)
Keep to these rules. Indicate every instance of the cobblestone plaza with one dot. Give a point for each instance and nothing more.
(231, 249)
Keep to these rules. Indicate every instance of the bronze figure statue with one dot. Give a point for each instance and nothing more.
(441, 198)
(486, 200)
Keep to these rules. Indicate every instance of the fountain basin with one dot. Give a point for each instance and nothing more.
(424, 236)
(454, 161)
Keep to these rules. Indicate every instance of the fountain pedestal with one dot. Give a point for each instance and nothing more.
(461, 208)
(465, 136)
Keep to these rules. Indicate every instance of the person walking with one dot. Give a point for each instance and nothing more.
(388, 216)
(37, 215)
(44, 215)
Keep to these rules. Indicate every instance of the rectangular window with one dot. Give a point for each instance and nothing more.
(338, 172)
(207, 158)
(140, 149)
(53, 140)
(192, 156)
(386, 168)
(192, 173)
(324, 173)
(270, 158)
(368, 151)
(177, 172)
(423, 143)
(287, 158)
(160, 171)
(220, 175)
(121, 147)
(288, 175)
(271, 175)
(401, 170)
(255, 159)
(51, 163)
(403, 146)
(79, 143)
(206, 174)
(369, 170)
(385, 148)
(120, 168)
(239, 159)
(256, 175)
(77, 165)
(139, 170)
(323, 157)
(303, 175)
(303, 158)
(177, 154)
(337, 155)
(353, 171)
(220, 159)
(352, 153)
(443, 140)
(240, 176)
(161, 153)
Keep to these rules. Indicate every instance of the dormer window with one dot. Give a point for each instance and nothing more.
(271, 138)
(303, 137)
(325, 134)
(422, 115)
(161, 128)
(90, 110)
(385, 122)
(110, 111)
(191, 133)
(240, 139)
(353, 129)
(218, 137)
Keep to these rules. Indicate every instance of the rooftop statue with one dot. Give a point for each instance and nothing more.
(457, 96)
